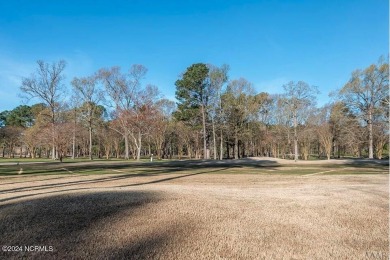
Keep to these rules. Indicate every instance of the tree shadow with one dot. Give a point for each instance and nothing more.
(94, 181)
(75, 225)
(172, 166)
(40, 180)
(171, 178)
(68, 183)
(367, 162)
(142, 170)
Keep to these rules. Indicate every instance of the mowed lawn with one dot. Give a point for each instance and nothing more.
(244, 209)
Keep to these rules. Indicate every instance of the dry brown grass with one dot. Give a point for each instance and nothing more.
(196, 216)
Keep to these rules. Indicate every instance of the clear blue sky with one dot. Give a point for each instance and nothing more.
(267, 42)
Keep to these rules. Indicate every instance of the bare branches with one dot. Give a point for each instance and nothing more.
(46, 83)
(299, 97)
(365, 93)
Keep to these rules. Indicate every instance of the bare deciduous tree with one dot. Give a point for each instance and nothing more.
(324, 130)
(123, 90)
(46, 85)
(217, 78)
(91, 95)
(365, 93)
(299, 97)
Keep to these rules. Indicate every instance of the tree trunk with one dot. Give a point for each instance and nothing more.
(170, 149)
(100, 148)
(370, 138)
(221, 147)
(53, 151)
(74, 136)
(11, 153)
(139, 146)
(227, 150)
(33, 153)
(295, 138)
(180, 150)
(90, 140)
(214, 141)
(189, 150)
(379, 150)
(235, 144)
(107, 150)
(53, 134)
(117, 148)
(126, 146)
(334, 147)
(204, 132)
(74, 144)
(159, 148)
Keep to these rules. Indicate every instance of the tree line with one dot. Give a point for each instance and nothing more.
(114, 114)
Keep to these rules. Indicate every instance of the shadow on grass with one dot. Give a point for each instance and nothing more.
(100, 167)
(104, 167)
(171, 178)
(67, 183)
(41, 193)
(40, 180)
(78, 226)
(99, 180)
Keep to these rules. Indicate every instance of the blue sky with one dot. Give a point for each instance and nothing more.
(267, 42)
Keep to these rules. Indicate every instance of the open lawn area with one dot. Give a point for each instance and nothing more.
(258, 208)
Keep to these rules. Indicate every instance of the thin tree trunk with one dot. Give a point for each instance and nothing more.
(11, 152)
(179, 150)
(370, 138)
(189, 150)
(53, 134)
(236, 144)
(53, 151)
(221, 147)
(214, 141)
(170, 149)
(295, 138)
(334, 147)
(204, 133)
(158, 147)
(74, 136)
(227, 150)
(90, 140)
(107, 150)
(74, 144)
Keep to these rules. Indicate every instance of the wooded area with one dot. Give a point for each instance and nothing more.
(113, 114)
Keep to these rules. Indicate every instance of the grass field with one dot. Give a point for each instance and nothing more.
(244, 209)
